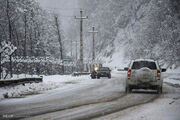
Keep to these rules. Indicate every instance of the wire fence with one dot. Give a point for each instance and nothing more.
(43, 66)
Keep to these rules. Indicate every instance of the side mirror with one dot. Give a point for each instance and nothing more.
(163, 70)
(126, 68)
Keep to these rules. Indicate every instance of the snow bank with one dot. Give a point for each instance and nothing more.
(174, 79)
(177, 70)
(15, 76)
(174, 76)
(49, 83)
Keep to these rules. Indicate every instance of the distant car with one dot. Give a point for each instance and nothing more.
(93, 74)
(103, 72)
(144, 74)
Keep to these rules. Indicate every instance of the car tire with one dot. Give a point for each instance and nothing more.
(127, 89)
(159, 90)
(98, 77)
(109, 76)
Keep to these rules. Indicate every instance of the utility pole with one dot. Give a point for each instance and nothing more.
(60, 41)
(10, 33)
(76, 50)
(71, 48)
(0, 65)
(81, 38)
(93, 48)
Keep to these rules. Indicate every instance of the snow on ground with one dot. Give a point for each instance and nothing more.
(173, 76)
(177, 70)
(174, 79)
(59, 81)
(19, 76)
(15, 76)
(165, 108)
(49, 83)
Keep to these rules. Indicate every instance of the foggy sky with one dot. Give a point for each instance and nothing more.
(65, 8)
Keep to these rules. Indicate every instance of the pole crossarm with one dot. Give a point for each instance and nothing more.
(86, 17)
(93, 31)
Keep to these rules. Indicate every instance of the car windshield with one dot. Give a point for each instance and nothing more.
(104, 69)
(141, 64)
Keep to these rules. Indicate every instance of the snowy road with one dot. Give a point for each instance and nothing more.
(89, 99)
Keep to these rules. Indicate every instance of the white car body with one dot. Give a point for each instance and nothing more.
(144, 74)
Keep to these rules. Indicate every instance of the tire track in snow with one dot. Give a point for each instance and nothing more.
(90, 111)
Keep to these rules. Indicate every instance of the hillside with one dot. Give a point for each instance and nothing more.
(130, 29)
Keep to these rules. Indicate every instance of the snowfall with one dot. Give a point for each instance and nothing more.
(163, 108)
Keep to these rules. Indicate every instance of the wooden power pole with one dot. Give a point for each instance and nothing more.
(93, 48)
(81, 18)
(60, 41)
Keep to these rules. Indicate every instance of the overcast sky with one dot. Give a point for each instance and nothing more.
(65, 8)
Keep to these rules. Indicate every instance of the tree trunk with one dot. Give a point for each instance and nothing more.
(60, 41)
(25, 37)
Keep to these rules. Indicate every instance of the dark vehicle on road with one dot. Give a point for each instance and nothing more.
(103, 72)
(94, 72)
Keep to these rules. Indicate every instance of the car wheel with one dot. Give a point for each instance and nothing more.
(128, 89)
(98, 77)
(159, 90)
(109, 76)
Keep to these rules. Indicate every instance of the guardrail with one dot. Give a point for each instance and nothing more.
(11, 82)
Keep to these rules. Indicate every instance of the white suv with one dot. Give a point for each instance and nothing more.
(144, 74)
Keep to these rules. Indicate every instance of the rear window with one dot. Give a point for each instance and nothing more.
(141, 64)
(103, 69)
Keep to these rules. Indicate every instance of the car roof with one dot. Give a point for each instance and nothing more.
(149, 60)
(104, 67)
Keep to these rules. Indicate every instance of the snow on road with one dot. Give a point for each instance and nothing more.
(87, 91)
(67, 97)
(166, 107)
(94, 110)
